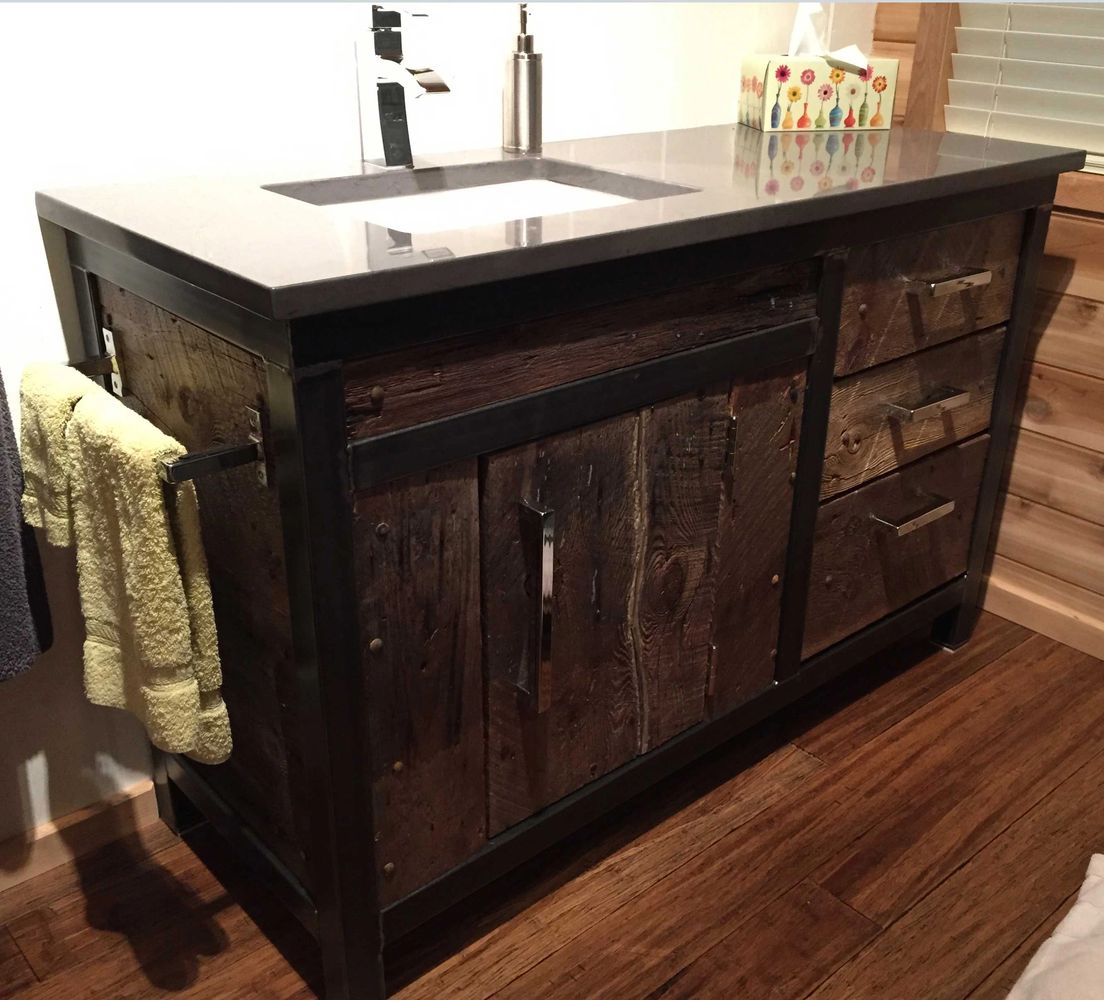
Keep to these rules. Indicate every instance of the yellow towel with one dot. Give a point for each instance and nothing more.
(47, 395)
(151, 646)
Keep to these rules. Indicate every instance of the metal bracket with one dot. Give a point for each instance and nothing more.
(204, 463)
(109, 351)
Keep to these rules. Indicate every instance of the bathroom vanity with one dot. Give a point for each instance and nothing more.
(506, 522)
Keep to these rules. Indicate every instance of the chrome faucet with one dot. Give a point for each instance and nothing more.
(390, 90)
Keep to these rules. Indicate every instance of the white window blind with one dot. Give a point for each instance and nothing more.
(1033, 72)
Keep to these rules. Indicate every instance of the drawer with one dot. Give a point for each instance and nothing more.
(902, 295)
(863, 567)
(894, 414)
(402, 388)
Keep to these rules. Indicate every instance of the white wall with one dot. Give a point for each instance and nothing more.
(108, 92)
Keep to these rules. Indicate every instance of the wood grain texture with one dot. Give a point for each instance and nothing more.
(998, 984)
(417, 559)
(1065, 405)
(723, 797)
(1081, 191)
(196, 387)
(1057, 544)
(1066, 333)
(1046, 604)
(753, 534)
(861, 572)
(905, 854)
(1073, 263)
(424, 384)
(904, 53)
(897, 22)
(947, 944)
(16, 976)
(797, 941)
(880, 320)
(928, 90)
(1059, 475)
(865, 441)
(863, 705)
(595, 720)
(964, 733)
(680, 461)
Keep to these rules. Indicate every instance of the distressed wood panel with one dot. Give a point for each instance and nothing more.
(594, 722)
(1059, 475)
(679, 465)
(1065, 405)
(196, 387)
(1046, 604)
(423, 384)
(861, 572)
(753, 534)
(1067, 333)
(1055, 543)
(864, 441)
(880, 320)
(417, 557)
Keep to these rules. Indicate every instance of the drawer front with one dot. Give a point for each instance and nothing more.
(889, 416)
(402, 388)
(863, 568)
(890, 307)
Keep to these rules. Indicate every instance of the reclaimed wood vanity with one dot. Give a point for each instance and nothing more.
(543, 512)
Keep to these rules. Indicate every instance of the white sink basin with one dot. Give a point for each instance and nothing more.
(460, 208)
(461, 196)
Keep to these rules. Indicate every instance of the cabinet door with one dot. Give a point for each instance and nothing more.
(651, 596)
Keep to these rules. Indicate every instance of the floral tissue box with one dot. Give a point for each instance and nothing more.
(778, 93)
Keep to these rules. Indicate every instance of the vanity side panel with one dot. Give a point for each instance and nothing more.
(196, 387)
(417, 557)
(753, 534)
(401, 388)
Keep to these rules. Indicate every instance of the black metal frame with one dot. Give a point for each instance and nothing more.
(315, 476)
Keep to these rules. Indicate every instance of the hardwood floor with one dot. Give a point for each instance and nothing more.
(913, 831)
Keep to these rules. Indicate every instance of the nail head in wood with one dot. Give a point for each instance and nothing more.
(383, 529)
(389, 869)
(375, 396)
(375, 646)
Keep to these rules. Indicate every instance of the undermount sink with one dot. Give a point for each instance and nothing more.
(434, 199)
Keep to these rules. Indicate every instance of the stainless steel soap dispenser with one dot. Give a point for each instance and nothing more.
(521, 97)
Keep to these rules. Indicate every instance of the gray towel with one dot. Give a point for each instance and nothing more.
(24, 614)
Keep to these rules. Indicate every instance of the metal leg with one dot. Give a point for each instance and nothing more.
(173, 806)
(954, 629)
(312, 474)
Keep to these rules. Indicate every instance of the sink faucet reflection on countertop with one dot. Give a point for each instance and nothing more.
(391, 79)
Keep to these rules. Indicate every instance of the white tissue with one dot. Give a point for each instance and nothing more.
(806, 39)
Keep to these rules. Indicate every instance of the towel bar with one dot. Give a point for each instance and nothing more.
(95, 366)
(203, 463)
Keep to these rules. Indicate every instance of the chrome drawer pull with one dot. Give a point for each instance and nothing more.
(937, 508)
(933, 405)
(949, 286)
(538, 538)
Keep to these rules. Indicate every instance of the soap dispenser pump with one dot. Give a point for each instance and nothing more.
(521, 97)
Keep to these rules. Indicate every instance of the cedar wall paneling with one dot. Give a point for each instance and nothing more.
(1047, 571)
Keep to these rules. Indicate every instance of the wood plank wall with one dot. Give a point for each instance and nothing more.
(895, 31)
(1048, 566)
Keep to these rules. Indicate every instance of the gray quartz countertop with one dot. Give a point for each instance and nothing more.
(283, 257)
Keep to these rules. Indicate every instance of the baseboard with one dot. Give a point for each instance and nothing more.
(81, 832)
(1045, 604)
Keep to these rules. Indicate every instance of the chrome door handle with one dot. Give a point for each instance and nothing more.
(936, 508)
(949, 286)
(538, 540)
(938, 402)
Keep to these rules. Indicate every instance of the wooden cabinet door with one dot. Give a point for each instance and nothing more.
(667, 538)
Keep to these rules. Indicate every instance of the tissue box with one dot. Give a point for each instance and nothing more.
(778, 94)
